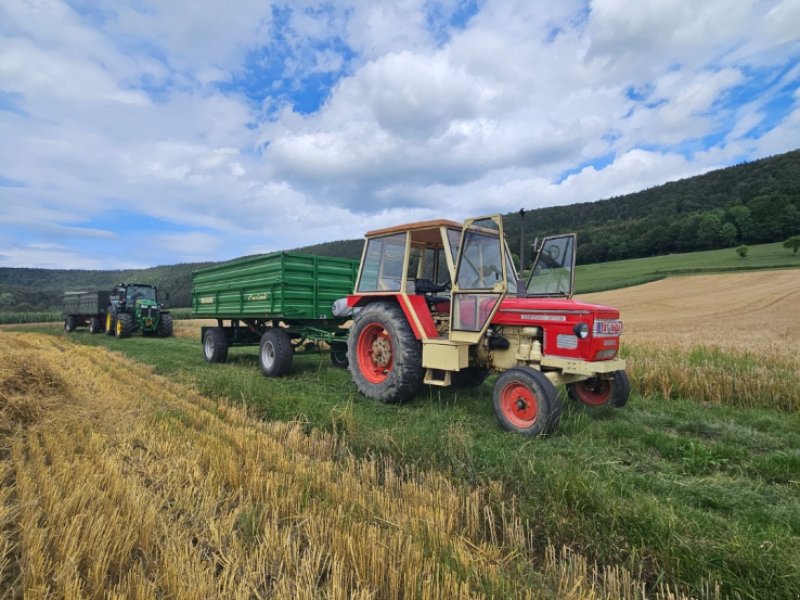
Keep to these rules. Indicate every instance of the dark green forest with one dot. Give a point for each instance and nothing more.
(750, 203)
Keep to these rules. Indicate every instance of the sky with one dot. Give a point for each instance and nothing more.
(149, 132)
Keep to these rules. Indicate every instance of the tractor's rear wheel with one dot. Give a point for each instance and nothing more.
(95, 325)
(275, 353)
(339, 355)
(215, 345)
(526, 402)
(599, 392)
(124, 326)
(110, 324)
(165, 325)
(70, 323)
(385, 357)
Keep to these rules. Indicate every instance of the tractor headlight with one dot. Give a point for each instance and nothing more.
(582, 330)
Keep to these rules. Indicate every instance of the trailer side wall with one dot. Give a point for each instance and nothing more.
(85, 303)
(286, 285)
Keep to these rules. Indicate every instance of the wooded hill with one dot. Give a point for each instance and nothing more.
(750, 203)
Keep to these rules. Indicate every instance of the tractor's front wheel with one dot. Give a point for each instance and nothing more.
(215, 345)
(124, 326)
(598, 392)
(165, 325)
(526, 402)
(385, 357)
(276, 353)
(110, 323)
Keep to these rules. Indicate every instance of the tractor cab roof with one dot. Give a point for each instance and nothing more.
(427, 233)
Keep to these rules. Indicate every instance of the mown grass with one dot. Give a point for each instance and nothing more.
(688, 492)
(624, 273)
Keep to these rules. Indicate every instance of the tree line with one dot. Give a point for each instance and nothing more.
(751, 203)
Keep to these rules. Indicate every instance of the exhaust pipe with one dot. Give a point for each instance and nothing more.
(522, 291)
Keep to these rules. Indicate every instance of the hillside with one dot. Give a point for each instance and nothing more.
(751, 203)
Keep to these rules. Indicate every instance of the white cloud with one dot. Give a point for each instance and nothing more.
(114, 108)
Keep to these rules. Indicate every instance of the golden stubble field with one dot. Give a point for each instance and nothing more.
(118, 483)
(724, 339)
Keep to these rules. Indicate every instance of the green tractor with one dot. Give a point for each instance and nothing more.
(134, 307)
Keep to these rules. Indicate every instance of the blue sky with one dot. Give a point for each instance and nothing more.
(153, 132)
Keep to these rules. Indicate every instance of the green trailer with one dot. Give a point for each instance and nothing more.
(85, 309)
(281, 302)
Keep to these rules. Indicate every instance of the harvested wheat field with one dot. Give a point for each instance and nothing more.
(119, 483)
(727, 339)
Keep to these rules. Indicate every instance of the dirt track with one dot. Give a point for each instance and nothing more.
(744, 311)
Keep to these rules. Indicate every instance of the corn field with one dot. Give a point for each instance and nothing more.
(121, 484)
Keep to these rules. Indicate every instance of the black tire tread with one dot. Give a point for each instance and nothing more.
(284, 352)
(219, 351)
(406, 375)
(165, 325)
(126, 321)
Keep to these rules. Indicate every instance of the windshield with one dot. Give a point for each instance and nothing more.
(553, 269)
(140, 292)
(480, 265)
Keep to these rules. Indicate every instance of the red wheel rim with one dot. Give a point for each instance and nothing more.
(593, 393)
(519, 404)
(374, 352)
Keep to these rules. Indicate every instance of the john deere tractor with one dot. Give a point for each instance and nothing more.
(135, 307)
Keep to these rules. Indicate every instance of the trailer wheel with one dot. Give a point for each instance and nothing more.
(598, 392)
(276, 353)
(469, 377)
(339, 355)
(215, 345)
(123, 326)
(70, 324)
(165, 325)
(385, 357)
(526, 402)
(95, 325)
(110, 323)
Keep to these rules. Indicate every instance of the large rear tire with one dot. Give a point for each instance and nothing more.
(275, 353)
(215, 345)
(70, 323)
(124, 326)
(526, 402)
(110, 324)
(385, 357)
(165, 325)
(599, 392)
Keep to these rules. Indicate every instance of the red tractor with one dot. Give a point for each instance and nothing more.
(441, 304)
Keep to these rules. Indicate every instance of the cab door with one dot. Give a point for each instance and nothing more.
(481, 279)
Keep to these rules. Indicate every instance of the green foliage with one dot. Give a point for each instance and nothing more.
(793, 243)
(742, 251)
(680, 492)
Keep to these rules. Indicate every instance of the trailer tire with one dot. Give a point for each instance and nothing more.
(70, 323)
(339, 355)
(110, 323)
(165, 325)
(385, 357)
(124, 326)
(469, 377)
(215, 345)
(275, 353)
(526, 402)
(95, 325)
(600, 392)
